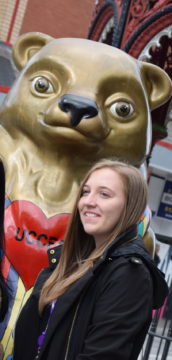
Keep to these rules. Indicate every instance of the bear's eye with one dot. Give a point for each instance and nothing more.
(122, 109)
(42, 85)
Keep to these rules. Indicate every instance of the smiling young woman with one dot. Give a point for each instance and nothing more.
(97, 302)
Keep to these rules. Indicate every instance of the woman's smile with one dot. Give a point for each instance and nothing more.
(91, 214)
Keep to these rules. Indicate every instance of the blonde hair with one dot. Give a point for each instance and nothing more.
(79, 252)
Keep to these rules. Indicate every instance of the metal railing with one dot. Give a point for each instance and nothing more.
(159, 339)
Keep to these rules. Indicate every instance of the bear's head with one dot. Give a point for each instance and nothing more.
(83, 95)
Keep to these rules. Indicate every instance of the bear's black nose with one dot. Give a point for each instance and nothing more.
(78, 108)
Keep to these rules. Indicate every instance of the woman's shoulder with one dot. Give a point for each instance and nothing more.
(134, 250)
(134, 254)
(125, 261)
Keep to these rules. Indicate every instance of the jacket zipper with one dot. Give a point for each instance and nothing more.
(71, 330)
(74, 319)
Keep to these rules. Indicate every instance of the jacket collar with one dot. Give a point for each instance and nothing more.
(54, 255)
(126, 236)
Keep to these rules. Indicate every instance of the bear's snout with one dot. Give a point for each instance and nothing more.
(78, 108)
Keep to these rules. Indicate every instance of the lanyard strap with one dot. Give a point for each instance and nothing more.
(41, 337)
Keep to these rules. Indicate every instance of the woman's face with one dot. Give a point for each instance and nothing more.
(101, 204)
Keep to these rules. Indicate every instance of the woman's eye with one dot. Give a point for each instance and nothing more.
(84, 192)
(122, 109)
(103, 194)
(42, 85)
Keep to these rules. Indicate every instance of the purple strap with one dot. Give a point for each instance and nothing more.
(42, 336)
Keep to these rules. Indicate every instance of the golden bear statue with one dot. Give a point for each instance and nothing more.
(74, 102)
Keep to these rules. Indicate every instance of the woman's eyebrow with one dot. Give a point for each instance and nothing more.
(100, 187)
(106, 188)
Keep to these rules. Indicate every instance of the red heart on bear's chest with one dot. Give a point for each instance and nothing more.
(28, 235)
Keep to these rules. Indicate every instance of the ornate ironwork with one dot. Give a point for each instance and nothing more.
(143, 29)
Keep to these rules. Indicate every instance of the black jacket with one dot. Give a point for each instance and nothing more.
(104, 315)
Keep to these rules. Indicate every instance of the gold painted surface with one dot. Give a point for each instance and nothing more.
(44, 157)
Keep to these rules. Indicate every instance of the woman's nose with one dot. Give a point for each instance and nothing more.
(90, 200)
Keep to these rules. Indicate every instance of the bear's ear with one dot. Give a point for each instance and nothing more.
(27, 45)
(157, 83)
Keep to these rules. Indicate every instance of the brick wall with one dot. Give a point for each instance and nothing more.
(11, 17)
(58, 18)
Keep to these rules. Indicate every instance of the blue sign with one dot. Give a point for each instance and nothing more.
(165, 207)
